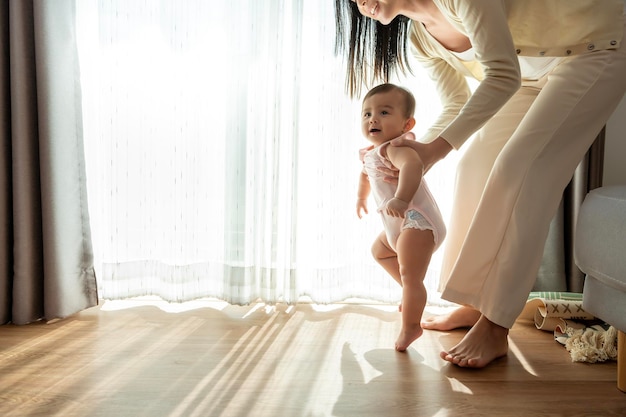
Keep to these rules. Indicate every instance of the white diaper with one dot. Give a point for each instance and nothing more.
(413, 219)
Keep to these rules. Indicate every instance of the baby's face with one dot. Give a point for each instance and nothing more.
(382, 117)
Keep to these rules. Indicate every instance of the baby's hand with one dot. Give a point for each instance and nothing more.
(396, 207)
(361, 207)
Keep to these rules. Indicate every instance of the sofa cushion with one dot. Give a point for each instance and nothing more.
(600, 252)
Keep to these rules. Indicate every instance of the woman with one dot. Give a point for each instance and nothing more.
(550, 76)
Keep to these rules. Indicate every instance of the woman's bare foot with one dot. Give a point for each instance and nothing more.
(483, 343)
(461, 317)
(408, 336)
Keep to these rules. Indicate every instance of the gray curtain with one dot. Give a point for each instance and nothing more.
(46, 259)
(558, 271)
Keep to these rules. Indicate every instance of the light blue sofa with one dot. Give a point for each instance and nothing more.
(600, 252)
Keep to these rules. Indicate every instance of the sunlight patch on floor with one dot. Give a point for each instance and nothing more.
(458, 386)
(516, 351)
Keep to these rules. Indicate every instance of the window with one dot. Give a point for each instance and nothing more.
(222, 153)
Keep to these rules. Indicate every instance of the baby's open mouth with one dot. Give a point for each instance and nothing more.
(374, 130)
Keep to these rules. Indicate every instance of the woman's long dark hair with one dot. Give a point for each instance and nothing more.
(372, 50)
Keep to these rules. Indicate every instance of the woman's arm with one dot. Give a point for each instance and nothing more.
(485, 23)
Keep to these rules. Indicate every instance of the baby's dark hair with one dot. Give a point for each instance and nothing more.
(372, 51)
(409, 98)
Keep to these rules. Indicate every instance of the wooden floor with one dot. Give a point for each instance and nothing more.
(220, 360)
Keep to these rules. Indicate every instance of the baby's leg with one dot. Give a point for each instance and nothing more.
(415, 248)
(386, 257)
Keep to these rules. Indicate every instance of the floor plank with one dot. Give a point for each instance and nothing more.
(213, 359)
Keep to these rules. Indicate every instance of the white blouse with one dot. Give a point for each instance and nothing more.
(531, 67)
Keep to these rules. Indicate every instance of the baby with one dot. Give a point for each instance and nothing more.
(413, 226)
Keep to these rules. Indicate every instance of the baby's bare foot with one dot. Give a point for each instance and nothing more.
(483, 343)
(407, 336)
(461, 317)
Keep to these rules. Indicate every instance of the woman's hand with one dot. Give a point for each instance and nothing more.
(429, 153)
(391, 173)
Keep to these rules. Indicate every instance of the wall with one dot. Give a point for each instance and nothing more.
(615, 147)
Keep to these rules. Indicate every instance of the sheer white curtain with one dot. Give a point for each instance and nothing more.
(223, 153)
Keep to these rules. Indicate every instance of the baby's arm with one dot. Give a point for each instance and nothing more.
(390, 171)
(411, 170)
(362, 194)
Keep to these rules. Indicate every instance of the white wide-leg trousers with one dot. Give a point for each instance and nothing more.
(511, 179)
